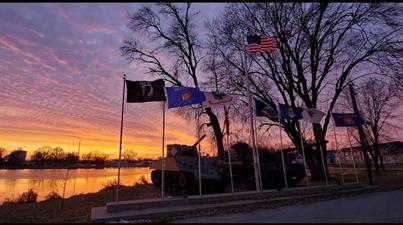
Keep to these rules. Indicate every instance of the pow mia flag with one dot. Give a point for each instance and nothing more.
(262, 109)
(145, 91)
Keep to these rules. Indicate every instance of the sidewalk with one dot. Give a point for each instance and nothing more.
(378, 207)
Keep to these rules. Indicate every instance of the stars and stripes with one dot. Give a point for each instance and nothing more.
(261, 43)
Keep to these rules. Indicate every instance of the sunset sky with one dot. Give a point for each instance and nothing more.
(61, 80)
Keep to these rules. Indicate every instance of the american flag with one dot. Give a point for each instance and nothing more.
(261, 43)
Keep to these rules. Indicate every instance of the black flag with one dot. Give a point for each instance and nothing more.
(262, 109)
(145, 91)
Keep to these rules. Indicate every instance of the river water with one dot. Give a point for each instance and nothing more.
(79, 181)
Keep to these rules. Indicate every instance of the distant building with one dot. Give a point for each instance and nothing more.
(344, 155)
(15, 158)
(331, 157)
(392, 152)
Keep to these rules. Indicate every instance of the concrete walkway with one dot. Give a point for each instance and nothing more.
(378, 207)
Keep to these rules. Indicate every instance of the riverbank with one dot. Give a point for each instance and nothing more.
(84, 166)
(76, 209)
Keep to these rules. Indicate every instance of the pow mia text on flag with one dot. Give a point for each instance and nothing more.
(145, 91)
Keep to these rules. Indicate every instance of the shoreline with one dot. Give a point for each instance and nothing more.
(65, 167)
(76, 209)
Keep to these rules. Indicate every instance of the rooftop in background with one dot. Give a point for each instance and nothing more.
(393, 147)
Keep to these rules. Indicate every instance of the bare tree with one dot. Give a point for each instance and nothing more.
(379, 100)
(129, 155)
(178, 52)
(3, 152)
(321, 47)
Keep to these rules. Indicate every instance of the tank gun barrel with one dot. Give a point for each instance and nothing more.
(198, 141)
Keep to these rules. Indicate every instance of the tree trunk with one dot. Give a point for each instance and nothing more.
(376, 147)
(381, 159)
(363, 140)
(312, 156)
(217, 132)
(321, 142)
(374, 158)
(377, 155)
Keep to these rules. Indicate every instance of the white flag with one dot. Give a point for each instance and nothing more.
(312, 115)
(213, 99)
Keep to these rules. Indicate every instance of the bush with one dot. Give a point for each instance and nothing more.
(53, 195)
(29, 196)
(10, 201)
(143, 181)
(26, 197)
(110, 184)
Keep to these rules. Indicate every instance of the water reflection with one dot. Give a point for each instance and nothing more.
(80, 181)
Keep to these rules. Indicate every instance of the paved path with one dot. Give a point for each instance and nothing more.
(378, 207)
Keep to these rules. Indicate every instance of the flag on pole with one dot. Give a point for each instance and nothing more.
(290, 113)
(218, 99)
(226, 120)
(182, 96)
(312, 115)
(145, 91)
(262, 109)
(261, 43)
(347, 119)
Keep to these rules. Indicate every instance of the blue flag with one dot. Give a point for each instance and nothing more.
(290, 113)
(181, 96)
(347, 119)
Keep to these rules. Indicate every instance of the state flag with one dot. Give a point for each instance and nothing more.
(290, 113)
(182, 96)
(347, 119)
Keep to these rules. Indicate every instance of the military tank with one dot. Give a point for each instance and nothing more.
(271, 168)
(181, 170)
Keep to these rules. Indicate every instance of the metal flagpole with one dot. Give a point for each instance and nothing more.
(163, 149)
(323, 162)
(229, 154)
(337, 151)
(251, 123)
(64, 188)
(198, 152)
(303, 153)
(257, 152)
(352, 155)
(281, 146)
(121, 133)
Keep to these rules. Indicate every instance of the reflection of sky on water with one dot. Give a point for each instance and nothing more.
(15, 182)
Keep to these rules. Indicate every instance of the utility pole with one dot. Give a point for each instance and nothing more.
(364, 143)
